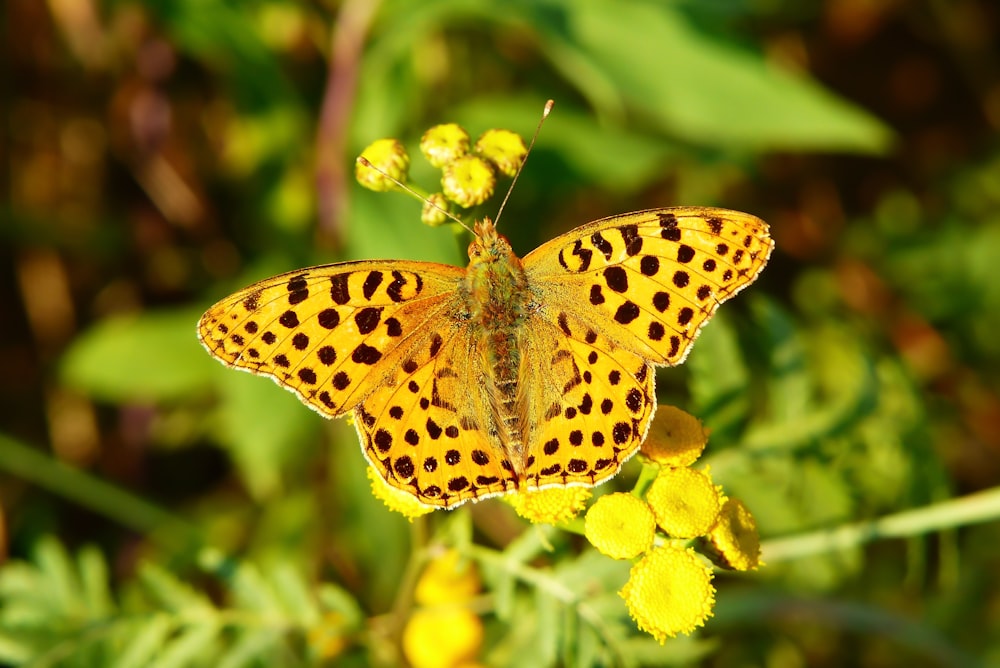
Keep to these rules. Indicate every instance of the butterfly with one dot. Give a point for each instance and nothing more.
(510, 374)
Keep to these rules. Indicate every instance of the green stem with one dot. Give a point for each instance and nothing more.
(980, 507)
(525, 547)
(91, 492)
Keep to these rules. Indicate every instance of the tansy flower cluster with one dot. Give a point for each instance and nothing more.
(468, 171)
(673, 509)
(669, 590)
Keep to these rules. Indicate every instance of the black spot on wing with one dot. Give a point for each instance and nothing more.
(340, 291)
(372, 281)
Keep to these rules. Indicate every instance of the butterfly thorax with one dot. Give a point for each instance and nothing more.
(496, 285)
(497, 298)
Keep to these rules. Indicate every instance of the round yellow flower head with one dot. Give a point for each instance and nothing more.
(505, 149)
(391, 157)
(442, 637)
(433, 213)
(675, 438)
(447, 579)
(394, 499)
(468, 181)
(444, 634)
(620, 526)
(734, 539)
(669, 591)
(444, 143)
(684, 502)
(549, 506)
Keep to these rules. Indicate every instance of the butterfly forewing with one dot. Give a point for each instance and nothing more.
(330, 333)
(649, 280)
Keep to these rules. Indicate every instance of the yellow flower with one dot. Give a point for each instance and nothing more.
(550, 506)
(505, 149)
(388, 155)
(445, 634)
(675, 438)
(394, 499)
(444, 143)
(684, 502)
(447, 579)
(734, 540)
(443, 637)
(620, 526)
(468, 181)
(669, 591)
(433, 213)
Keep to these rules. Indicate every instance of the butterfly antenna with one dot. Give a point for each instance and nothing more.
(545, 114)
(362, 160)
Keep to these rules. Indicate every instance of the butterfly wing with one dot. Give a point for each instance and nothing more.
(615, 297)
(431, 432)
(649, 280)
(331, 333)
(590, 403)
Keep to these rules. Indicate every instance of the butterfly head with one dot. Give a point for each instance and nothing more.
(489, 245)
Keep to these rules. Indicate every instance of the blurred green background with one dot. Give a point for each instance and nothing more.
(161, 154)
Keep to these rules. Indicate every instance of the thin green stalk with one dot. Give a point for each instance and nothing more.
(71, 483)
(980, 507)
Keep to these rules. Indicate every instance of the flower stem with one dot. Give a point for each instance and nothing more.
(980, 507)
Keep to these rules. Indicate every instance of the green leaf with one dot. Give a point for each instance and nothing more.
(698, 87)
(150, 357)
(251, 648)
(265, 428)
(59, 578)
(293, 592)
(720, 378)
(251, 591)
(170, 593)
(550, 627)
(612, 157)
(147, 637)
(194, 642)
(94, 582)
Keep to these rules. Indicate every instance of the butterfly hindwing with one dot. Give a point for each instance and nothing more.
(591, 403)
(430, 432)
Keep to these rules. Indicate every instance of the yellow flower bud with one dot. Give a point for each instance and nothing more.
(620, 526)
(444, 143)
(468, 181)
(505, 149)
(549, 506)
(675, 438)
(396, 500)
(432, 213)
(684, 502)
(669, 591)
(734, 541)
(388, 155)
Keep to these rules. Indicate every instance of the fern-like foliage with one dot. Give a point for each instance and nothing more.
(58, 610)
